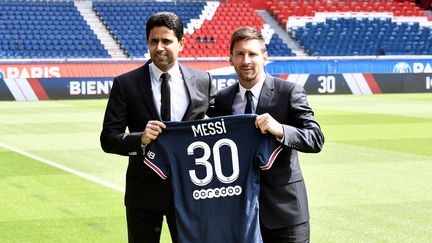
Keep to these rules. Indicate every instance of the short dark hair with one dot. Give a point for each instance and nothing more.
(167, 19)
(247, 33)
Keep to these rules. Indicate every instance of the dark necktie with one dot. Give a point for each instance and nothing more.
(165, 98)
(248, 108)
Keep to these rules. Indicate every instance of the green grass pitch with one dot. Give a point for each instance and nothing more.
(371, 183)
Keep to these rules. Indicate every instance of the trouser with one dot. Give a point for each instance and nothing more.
(144, 226)
(291, 234)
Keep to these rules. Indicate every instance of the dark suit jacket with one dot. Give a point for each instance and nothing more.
(131, 106)
(283, 200)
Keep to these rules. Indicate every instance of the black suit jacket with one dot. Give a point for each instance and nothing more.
(131, 106)
(283, 200)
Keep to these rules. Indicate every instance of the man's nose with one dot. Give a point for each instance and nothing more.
(246, 59)
(160, 45)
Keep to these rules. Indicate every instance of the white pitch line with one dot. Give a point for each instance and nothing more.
(67, 169)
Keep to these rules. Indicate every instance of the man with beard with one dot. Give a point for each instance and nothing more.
(283, 111)
(160, 90)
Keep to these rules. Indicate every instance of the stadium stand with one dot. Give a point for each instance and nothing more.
(208, 25)
(276, 47)
(46, 30)
(356, 28)
(282, 10)
(212, 37)
(126, 20)
(364, 36)
(38, 29)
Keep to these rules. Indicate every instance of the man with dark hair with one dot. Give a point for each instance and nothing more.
(283, 111)
(160, 90)
(167, 19)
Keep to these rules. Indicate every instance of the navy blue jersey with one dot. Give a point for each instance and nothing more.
(214, 165)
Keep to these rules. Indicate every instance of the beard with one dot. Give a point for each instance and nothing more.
(249, 75)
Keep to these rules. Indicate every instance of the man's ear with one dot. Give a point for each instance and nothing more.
(182, 43)
(230, 60)
(266, 56)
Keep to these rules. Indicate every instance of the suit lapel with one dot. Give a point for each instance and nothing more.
(144, 83)
(189, 79)
(225, 100)
(231, 96)
(266, 95)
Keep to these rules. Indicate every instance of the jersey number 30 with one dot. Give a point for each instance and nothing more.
(203, 161)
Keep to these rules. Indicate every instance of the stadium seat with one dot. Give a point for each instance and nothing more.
(126, 20)
(353, 36)
(30, 26)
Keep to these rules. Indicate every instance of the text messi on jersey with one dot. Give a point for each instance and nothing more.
(208, 129)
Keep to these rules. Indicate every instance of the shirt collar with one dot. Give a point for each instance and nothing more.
(256, 89)
(173, 72)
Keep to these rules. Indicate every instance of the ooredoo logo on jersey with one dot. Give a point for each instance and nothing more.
(217, 192)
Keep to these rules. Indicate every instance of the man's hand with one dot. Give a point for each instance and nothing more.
(266, 123)
(152, 131)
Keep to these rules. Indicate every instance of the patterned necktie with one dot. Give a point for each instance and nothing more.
(165, 98)
(248, 108)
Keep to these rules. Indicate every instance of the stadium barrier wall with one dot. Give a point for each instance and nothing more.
(43, 81)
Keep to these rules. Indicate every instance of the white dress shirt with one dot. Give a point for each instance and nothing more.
(240, 101)
(178, 91)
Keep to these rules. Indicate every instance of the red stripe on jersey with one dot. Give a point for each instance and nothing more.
(38, 89)
(154, 168)
(283, 76)
(373, 85)
(272, 158)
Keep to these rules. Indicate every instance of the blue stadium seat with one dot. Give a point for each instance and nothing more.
(366, 36)
(277, 47)
(30, 26)
(126, 20)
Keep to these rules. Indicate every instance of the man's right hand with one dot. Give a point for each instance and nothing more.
(152, 131)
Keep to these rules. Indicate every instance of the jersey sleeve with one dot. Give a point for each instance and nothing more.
(157, 160)
(268, 151)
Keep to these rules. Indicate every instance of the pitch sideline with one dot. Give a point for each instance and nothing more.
(64, 168)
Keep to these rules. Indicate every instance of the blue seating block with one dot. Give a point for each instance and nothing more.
(372, 36)
(46, 30)
(277, 47)
(126, 20)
